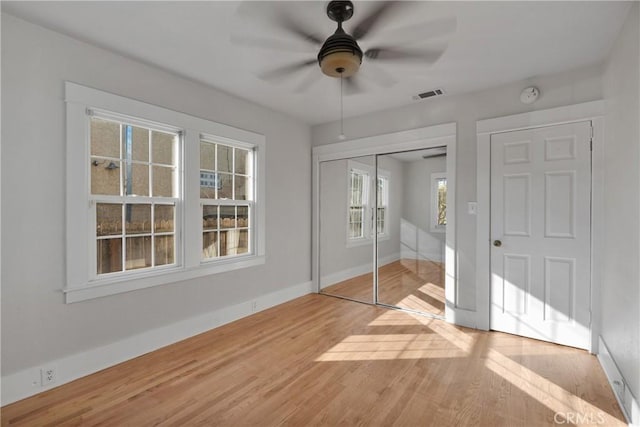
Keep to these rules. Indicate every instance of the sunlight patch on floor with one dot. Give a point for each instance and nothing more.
(543, 390)
(391, 347)
(433, 291)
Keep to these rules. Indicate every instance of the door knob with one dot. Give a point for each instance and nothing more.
(497, 243)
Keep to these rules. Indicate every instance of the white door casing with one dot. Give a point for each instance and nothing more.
(540, 212)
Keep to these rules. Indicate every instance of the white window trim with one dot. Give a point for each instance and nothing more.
(79, 285)
(368, 225)
(433, 220)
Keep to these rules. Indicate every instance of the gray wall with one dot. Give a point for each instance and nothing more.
(335, 256)
(620, 296)
(416, 209)
(570, 87)
(36, 324)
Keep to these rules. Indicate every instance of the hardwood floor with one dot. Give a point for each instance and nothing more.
(320, 360)
(409, 283)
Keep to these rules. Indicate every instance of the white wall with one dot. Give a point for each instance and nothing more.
(416, 210)
(566, 88)
(620, 296)
(37, 326)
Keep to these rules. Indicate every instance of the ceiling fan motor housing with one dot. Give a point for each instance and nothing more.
(340, 55)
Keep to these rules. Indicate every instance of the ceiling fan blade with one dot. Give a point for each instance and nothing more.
(279, 16)
(378, 75)
(418, 33)
(264, 43)
(286, 70)
(428, 56)
(352, 86)
(368, 23)
(310, 79)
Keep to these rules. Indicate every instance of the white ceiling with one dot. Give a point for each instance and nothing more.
(494, 43)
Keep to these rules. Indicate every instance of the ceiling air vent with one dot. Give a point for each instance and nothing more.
(429, 94)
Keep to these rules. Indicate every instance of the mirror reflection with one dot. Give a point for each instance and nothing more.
(347, 189)
(411, 265)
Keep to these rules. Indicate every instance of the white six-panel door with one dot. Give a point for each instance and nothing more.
(540, 231)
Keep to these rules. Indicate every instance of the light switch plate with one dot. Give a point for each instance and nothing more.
(472, 208)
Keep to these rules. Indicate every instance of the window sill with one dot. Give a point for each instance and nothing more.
(354, 243)
(127, 284)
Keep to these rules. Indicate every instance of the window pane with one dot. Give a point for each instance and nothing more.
(108, 219)
(162, 147)
(138, 219)
(105, 138)
(355, 222)
(242, 161)
(243, 242)
(138, 252)
(164, 250)
(163, 181)
(442, 202)
(225, 158)
(225, 186)
(357, 187)
(207, 156)
(381, 219)
(137, 180)
(207, 192)
(139, 144)
(209, 217)
(243, 216)
(109, 255)
(229, 242)
(163, 218)
(355, 230)
(242, 188)
(227, 217)
(210, 244)
(105, 177)
(382, 192)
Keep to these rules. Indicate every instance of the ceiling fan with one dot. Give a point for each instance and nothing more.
(340, 55)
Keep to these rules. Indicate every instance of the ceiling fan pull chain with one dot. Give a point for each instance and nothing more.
(341, 136)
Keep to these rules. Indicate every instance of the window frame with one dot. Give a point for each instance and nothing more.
(212, 139)
(368, 203)
(79, 286)
(124, 200)
(434, 214)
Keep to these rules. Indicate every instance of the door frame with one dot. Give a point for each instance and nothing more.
(589, 111)
(413, 139)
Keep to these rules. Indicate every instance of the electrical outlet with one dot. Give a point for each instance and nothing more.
(47, 376)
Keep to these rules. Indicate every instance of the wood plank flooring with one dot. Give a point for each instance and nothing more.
(409, 283)
(320, 360)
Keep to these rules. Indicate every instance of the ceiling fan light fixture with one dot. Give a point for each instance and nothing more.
(340, 64)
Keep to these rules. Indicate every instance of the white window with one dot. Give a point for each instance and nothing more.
(438, 202)
(226, 196)
(133, 193)
(358, 201)
(155, 196)
(360, 204)
(383, 205)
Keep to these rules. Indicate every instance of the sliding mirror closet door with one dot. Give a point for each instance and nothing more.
(347, 189)
(411, 225)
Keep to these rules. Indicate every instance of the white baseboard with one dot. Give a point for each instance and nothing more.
(339, 276)
(430, 256)
(628, 403)
(25, 383)
(461, 317)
